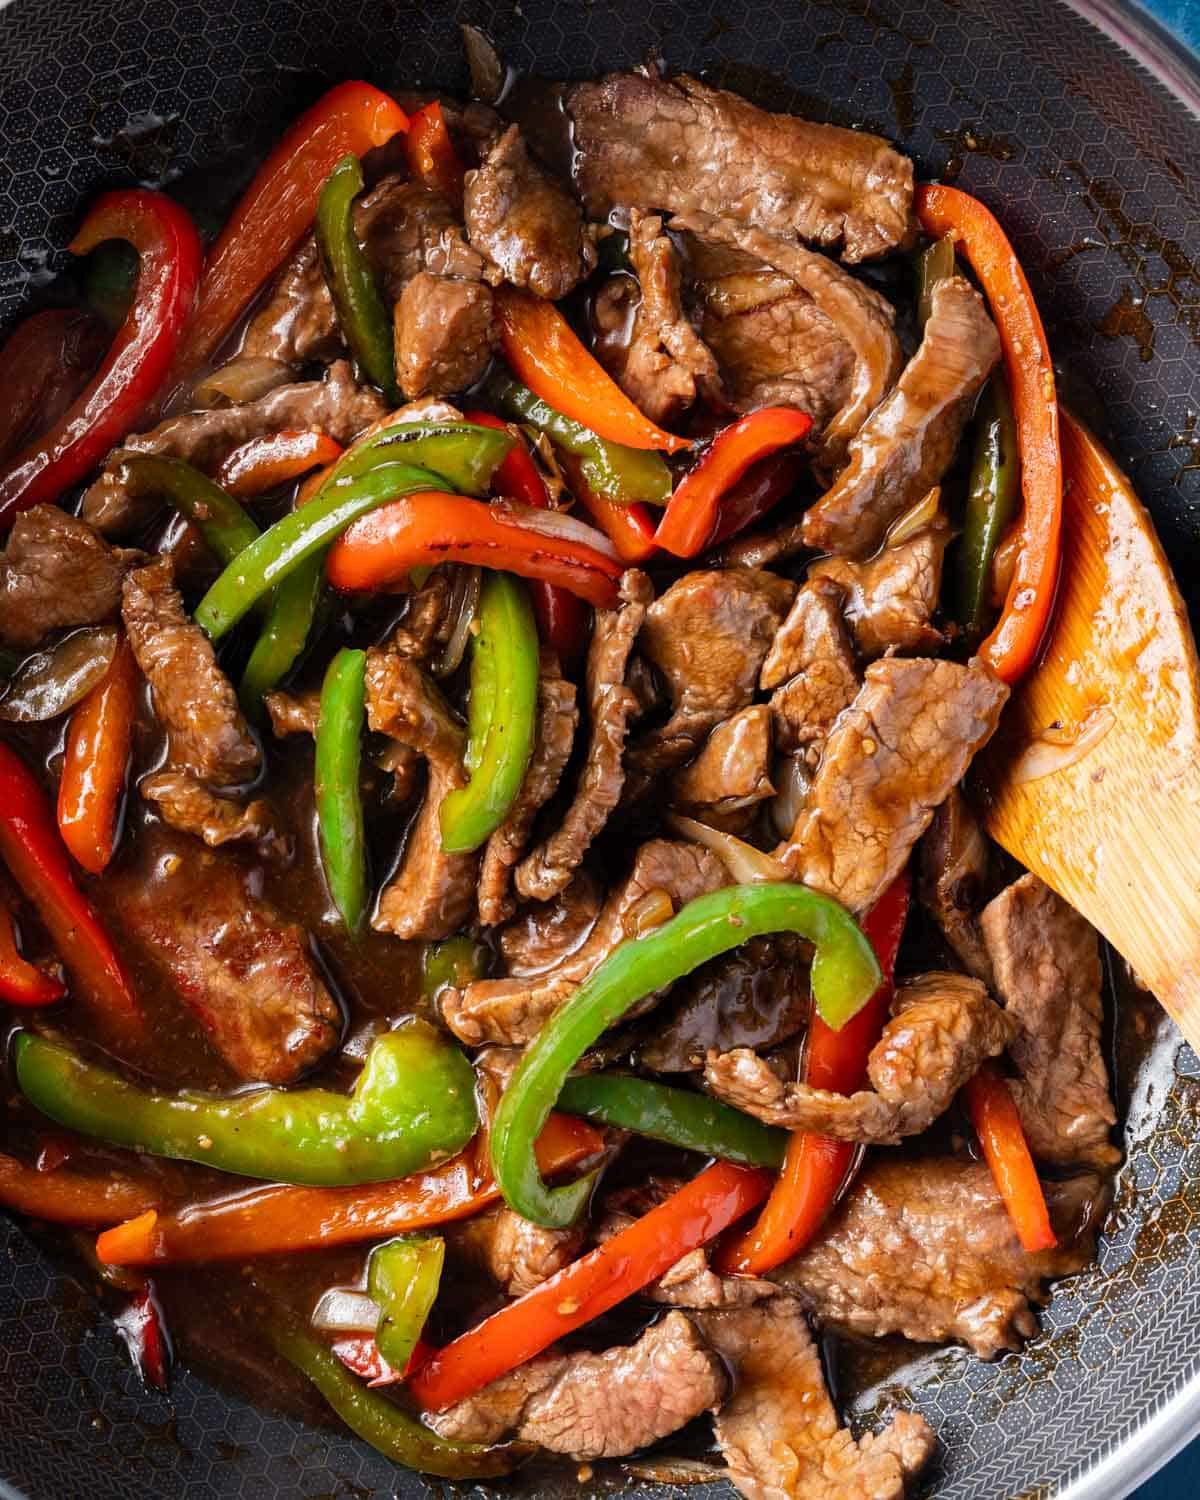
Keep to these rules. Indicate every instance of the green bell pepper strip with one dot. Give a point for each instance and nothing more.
(338, 795)
(935, 263)
(845, 974)
(624, 475)
(993, 499)
(387, 1427)
(459, 460)
(362, 316)
(403, 1276)
(677, 1116)
(223, 523)
(412, 1105)
(459, 457)
(284, 634)
(502, 722)
(457, 961)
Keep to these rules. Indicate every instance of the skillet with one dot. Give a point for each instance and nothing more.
(1081, 127)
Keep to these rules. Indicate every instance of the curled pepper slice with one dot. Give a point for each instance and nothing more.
(403, 1276)
(502, 715)
(22, 983)
(224, 524)
(362, 316)
(338, 795)
(845, 974)
(1012, 645)
(413, 1104)
(95, 762)
(138, 358)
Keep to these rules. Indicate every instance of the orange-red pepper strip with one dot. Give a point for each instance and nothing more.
(360, 1354)
(711, 1202)
(630, 528)
(1013, 644)
(22, 983)
(432, 158)
(264, 463)
(544, 353)
(138, 359)
(95, 763)
(815, 1167)
(279, 205)
(33, 851)
(1002, 1140)
(66, 1197)
(693, 511)
(430, 527)
(277, 1220)
(756, 493)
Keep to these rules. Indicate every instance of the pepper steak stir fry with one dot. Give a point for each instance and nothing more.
(468, 757)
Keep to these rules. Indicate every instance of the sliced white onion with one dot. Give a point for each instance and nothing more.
(556, 524)
(464, 606)
(344, 1310)
(918, 517)
(747, 865)
(1056, 748)
(245, 378)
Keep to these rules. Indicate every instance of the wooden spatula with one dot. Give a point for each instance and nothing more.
(1094, 783)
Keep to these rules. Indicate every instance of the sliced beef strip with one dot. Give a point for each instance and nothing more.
(193, 699)
(891, 599)
(732, 771)
(925, 1248)
(664, 363)
(596, 1405)
(516, 1254)
(681, 145)
(526, 224)
(943, 1027)
(407, 227)
(779, 1431)
(187, 804)
(444, 334)
(245, 972)
(953, 867)
(1046, 959)
(860, 315)
(708, 636)
(893, 757)
(542, 936)
(611, 705)
(811, 667)
(756, 996)
(557, 718)
(432, 893)
(293, 713)
(337, 406)
(513, 1010)
(907, 442)
(297, 322)
(57, 572)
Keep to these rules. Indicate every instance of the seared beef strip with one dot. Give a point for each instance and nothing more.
(611, 705)
(859, 314)
(56, 572)
(953, 866)
(683, 146)
(907, 442)
(297, 322)
(924, 1247)
(811, 667)
(596, 1405)
(247, 975)
(190, 805)
(756, 996)
(732, 773)
(337, 405)
(664, 363)
(444, 334)
(293, 713)
(516, 1254)
(407, 227)
(943, 1027)
(557, 718)
(432, 893)
(891, 599)
(779, 1430)
(894, 755)
(707, 635)
(1046, 959)
(541, 936)
(525, 222)
(513, 1010)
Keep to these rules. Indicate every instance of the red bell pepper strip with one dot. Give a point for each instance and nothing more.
(756, 493)
(1002, 1139)
(1014, 642)
(561, 616)
(692, 514)
(22, 983)
(142, 1330)
(544, 353)
(264, 463)
(815, 1167)
(32, 849)
(278, 1219)
(66, 1197)
(138, 359)
(630, 528)
(360, 1354)
(95, 763)
(429, 527)
(278, 207)
(44, 364)
(432, 158)
(711, 1202)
